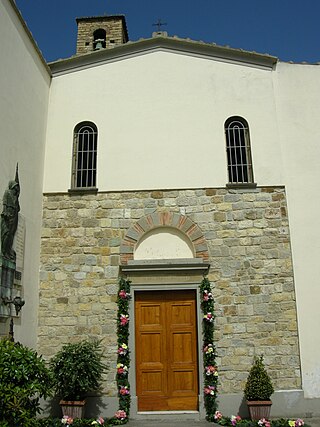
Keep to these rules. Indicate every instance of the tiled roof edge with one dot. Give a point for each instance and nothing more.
(171, 43)
(29, 34)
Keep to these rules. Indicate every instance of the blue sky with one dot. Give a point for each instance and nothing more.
(288, 29)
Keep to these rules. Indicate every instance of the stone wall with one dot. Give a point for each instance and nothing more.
(248, 241)
(115, 27)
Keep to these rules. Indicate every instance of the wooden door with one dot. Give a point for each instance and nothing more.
(166, 350)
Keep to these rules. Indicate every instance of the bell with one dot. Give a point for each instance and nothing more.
(98, 44)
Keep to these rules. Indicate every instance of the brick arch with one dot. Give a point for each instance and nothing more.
(163, 219)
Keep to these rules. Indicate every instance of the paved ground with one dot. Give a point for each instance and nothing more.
(313, 422)
(176, 423)
(157, 423)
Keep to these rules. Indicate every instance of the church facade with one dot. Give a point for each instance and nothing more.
(163, 161)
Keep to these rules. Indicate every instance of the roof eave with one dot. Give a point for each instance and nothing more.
(30, 36)
(174, 44)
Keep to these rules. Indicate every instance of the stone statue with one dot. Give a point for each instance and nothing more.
(9, 218)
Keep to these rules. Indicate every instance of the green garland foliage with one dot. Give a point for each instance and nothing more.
(209, 351)
(237, 421)
(77, 422)
(123, 360)
(233, 421)
(56, 422)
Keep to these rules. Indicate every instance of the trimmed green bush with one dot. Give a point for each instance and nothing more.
(24, 379)
(258, 385)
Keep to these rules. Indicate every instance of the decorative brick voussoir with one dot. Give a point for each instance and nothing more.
(195, 233)
(163, 219)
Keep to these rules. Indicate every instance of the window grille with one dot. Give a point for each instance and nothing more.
(85, 156)
(238, 151)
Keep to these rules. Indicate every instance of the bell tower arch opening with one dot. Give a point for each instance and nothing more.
(101, 32)
(99, 39)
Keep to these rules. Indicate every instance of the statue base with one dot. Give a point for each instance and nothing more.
(7, 280)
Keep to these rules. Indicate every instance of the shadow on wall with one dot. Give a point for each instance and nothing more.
(243, 408)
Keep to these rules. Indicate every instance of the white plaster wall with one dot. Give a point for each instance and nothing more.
(24, 90)
(299, 107)
(163, 243)
(160, 119)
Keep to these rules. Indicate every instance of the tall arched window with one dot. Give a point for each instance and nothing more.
(84, 169)
(238, 151)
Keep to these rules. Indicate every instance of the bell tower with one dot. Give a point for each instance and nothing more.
(101, 32)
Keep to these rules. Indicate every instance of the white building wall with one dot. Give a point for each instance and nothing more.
(160, 119)
(24, 90)
(298, 108)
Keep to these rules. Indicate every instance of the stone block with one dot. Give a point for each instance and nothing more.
(157, 194)
(249, 253)
(219, 216)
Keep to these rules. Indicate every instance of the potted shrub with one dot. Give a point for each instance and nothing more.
(77, 370)
(258, 390)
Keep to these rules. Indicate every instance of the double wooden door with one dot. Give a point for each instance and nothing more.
(166, 350)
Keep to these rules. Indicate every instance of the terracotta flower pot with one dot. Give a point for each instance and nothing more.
(73, 408)
(259, 409)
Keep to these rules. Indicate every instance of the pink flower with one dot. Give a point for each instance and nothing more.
(207, 296)
(211, 370)
(124, 319)
(264, 422)
(299, 422)
(122, 369)
(235, 419)
(123, 294)
(210, 389)
(100, 421)
(121, 415)
(217, 415)
(67, 420)
(208, 317)
(124, 391)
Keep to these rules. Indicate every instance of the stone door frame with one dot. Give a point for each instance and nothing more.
(165, 275)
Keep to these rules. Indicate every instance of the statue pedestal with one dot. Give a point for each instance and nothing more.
(7, 278)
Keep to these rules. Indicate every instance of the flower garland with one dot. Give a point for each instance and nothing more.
(67, 421)
(237, 421)
(209, 352)
(123, 359)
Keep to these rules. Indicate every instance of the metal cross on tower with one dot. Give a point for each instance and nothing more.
(159, 24)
